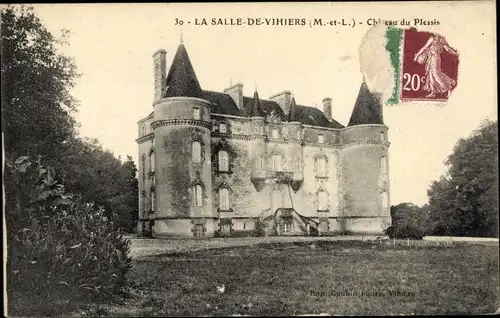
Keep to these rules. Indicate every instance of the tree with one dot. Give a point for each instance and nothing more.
(464, 201)
(36, 83)
(408, 221)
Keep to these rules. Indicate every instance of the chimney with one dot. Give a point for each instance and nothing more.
(327, 108)
(236, 93)
(283, 99)
(160, 73)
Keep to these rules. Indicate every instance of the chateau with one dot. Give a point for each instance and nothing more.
(224, 164)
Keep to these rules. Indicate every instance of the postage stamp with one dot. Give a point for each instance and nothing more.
(424, 66)
(429, 67)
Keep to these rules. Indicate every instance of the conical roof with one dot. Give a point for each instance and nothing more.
(181, 78)
(293, 108)
(256, 106)
(367, 109)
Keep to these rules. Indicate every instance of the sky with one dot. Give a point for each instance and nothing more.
(112, 45)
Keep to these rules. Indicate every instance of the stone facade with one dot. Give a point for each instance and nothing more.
(222, 164)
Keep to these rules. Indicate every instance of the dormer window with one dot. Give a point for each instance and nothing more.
(223, 128)
(196, 113)
(275, 133)
(321, 139)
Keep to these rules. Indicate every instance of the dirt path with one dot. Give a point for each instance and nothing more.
(142, 247)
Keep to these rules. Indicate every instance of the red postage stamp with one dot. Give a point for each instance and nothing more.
(429, 67)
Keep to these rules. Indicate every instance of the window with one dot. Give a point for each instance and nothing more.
(383, 165)
(196, 113)
(382, 136)
(286, 226)
(275, 133)
(321, 167)
(143, 131)
(196, 149)
(153, 200)
(321, 139)
(224, 199)
(261, 162)
(276, 162)
(152, 161)
(223, 160)
(298, 134)
(261, 130)
(143, 166)
(198, 195)
(322, 201)
(297, 165)
(199, 230)
(222, 128)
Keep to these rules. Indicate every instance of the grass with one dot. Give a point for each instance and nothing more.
(338, 278)
(298, 278)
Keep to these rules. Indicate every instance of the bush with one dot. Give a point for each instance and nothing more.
(61, 247)
(404, 232)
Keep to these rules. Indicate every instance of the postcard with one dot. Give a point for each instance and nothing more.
(250, 159)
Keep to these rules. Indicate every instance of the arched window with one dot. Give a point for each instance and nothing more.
(198, 195)
(383, 165)
(153, 200)
(297, 164)
(276, 162)
(152, 161)
(261, 162)
(322, 201)
(224, 199)
(196, 152)
(223, 160)
(321, 167)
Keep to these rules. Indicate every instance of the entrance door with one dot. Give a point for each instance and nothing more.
(225, 229)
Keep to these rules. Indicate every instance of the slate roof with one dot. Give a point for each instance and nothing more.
(222, 103)
(367, 109)
(255, 108)
(182, 81)
(181, 78)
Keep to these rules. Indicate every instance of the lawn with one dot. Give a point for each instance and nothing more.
(298, 278)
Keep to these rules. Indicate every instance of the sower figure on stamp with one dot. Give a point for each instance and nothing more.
(436, 81)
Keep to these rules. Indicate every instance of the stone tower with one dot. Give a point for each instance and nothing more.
(183, 181)
(366, 206)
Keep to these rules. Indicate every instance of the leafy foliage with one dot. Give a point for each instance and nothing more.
(464, 201)
(61, 246)
(408, 221)
(37, 109)
(36, 84)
